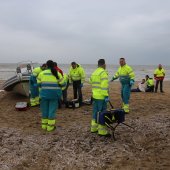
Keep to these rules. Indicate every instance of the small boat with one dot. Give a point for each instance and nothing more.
(20, 82)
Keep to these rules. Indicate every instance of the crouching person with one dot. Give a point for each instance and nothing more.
(99, 81)
(150, 84)
(50, 82)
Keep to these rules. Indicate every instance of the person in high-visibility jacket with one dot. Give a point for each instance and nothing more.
(61, 72)
(34, 89)
(159, 75)
(77, 77)
(126, 76)
(50, 82)
(64, 89)
(150, 84)
(100, 86)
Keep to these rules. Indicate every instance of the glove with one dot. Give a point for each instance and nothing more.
(106, 99)
(113, 78)
(132, 82)
(81, 85)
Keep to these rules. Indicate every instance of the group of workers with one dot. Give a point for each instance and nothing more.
(148, 84)
(48, 84)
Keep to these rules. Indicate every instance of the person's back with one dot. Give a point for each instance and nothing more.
(99, 89)
(99, 81)
(50, 82)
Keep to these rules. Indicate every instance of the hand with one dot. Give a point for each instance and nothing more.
(106, 99)
(81, 85)
(113, 78)
(132, 82)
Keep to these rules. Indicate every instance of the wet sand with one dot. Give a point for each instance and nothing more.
(24, 145)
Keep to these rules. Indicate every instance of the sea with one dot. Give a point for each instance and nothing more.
(8, 70)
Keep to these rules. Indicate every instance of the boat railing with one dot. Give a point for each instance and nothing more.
(25, 67)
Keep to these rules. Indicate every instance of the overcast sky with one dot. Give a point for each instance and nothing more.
(85, 30)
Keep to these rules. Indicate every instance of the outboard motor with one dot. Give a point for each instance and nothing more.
(29, 69)
(18, 70)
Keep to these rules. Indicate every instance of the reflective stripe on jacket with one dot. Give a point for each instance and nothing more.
(50, 85)
(100, 85)
(125, 74)
(77, 74)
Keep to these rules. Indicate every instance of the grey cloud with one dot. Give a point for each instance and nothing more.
(86, 30)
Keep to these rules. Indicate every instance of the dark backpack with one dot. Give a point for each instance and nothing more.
(111, 116)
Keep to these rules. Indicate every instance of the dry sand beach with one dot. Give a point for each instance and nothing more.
(23, 145)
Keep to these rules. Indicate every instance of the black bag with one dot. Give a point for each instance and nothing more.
(111, 116)
(73, 104)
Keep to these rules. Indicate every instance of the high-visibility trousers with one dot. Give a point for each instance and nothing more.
(48, 109)
(94, 126)
(102, 130)
(125, 95)
(98, 106)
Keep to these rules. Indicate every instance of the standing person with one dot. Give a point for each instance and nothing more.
(50, 81)
(34, 90)
(61, 72)
(58, 69)
(100, 87)
(77, 76)
(64, 89)
(126, 76)
(159, 75)
(150, 84)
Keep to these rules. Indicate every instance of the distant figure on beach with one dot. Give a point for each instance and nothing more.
(99, 81)
(34, 89)
(149, 83)
(50, 82)
(126, 76)
(141, 87)
(77, 77)
(159, 75)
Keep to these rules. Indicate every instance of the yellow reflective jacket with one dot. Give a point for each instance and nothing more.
(159, 73)
(77, 74)
(50, 85)
(65, 77)
(150, 82)
(125, 74)
(100, 83)
(36, 71)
